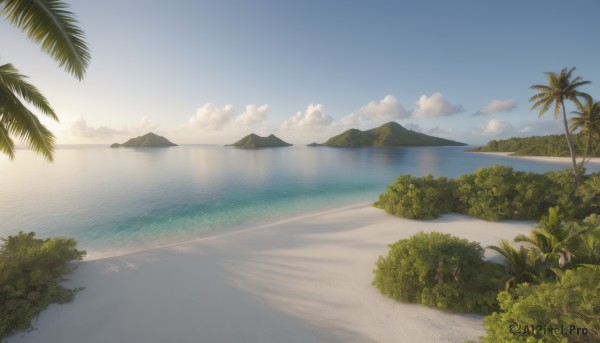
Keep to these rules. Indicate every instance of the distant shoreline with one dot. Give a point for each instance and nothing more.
(554, 159)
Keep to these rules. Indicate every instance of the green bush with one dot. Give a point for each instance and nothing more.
(492, 193)
(30, 272)
(498, 193)
(441, 271)
(589, 194)
(417, 197)
(570, 303)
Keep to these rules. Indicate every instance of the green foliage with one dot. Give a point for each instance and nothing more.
(553, 246)
(30, 272)
(48, 23)
(417, 197)
(492, 193)
(498, 193)
(519, 264)
(551, 145)
(438, 270)
(589, 194)
(571, 302)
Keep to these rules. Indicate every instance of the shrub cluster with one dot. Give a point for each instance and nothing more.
(492, 193)
(553, 280)
(559, 308)
(439, 270)
(417, 197)
(30, 272)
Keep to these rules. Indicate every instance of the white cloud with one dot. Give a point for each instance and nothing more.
(353, 119)
(495, 127)
(312, 118)
(498, 106)
(252, 115)
(384, 110)
(435, 105)
(213, 118)
(80, 128)
(143, 127)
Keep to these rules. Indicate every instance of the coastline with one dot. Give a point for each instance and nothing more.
(301, 279)
(554, 159)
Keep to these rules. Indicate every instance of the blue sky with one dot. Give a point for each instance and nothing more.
(212, 71)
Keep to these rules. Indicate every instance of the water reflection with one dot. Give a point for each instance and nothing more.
(98, 194)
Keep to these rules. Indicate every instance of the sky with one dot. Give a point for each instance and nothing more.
(210, 72)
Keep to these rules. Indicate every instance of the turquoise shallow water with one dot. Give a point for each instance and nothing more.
(118, 200)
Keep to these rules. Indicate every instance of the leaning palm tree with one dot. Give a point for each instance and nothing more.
(560, 87)
(48, 23)
(588, 121)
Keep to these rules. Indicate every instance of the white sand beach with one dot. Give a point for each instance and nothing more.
(307, 279)
(593, 160)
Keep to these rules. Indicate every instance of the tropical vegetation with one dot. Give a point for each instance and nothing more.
(587, 120)
(550, 145)
(551, 282)
(567, 310)
(30, 273)
(48, 23)
(439, 270)
(560, 88)
(492, 193)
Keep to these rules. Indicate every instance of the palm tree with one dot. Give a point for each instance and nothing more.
(588, 120)
(519, 265)
(560, 87)
(553, 241)
(48, 23)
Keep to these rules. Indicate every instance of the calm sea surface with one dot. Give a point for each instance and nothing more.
(118, 200)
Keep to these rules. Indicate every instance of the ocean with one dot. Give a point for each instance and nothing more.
(114, 201)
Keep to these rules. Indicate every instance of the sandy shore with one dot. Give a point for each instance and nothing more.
(302, 280)
(593, 160)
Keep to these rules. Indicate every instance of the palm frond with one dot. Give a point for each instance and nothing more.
(49, 23)
(544, 104)
(21, 122)
(11, 82)
(541, 87)
(7, 146)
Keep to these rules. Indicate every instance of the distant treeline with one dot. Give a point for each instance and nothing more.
(551, 145)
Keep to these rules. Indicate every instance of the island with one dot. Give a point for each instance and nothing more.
(149, 140)
(314, 144)
(256, 141)
(387, 135)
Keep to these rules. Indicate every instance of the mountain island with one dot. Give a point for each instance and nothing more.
(256, 141)
(390, 134)
(149, 140)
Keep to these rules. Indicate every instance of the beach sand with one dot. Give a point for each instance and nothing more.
(306, 279)
(593, 160)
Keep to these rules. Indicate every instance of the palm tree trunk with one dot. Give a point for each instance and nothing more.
(570, 144)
